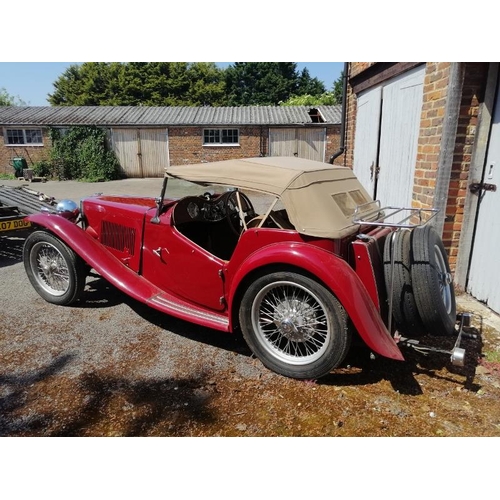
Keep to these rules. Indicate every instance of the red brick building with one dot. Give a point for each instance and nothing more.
(147, 139)
(427, 133)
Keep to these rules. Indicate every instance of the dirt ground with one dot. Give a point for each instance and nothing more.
(110, 366)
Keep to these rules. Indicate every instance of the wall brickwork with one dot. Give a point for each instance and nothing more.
(435, 94)
(472, 95)
(431, 127)
(186, 145)
(31, 154)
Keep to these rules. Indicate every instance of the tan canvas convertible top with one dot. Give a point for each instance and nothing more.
(320, 198)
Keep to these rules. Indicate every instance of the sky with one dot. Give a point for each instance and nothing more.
(33, 81)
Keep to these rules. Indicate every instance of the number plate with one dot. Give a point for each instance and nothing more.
(12, 225)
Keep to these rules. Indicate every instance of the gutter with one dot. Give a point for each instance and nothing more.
(342, 148)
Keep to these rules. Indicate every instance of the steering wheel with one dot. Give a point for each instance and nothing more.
(232, 210)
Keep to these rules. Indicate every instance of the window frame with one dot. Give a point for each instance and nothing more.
(220, 131)
(24, 136)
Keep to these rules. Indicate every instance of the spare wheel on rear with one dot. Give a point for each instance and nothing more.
(404, 307)
(432, 281)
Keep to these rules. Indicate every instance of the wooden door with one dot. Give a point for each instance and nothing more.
(400, 127)
(126, 148)
(386, 138)
(311, 143)
(153, 152)
(306, 143)
(366, 141)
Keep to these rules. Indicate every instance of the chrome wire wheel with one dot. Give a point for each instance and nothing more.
(52, 273)
(291, 322)
(294, 325)
(444, 279)
(56, 272)
(432, 281)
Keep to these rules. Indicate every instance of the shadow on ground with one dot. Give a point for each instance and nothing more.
(38, 404)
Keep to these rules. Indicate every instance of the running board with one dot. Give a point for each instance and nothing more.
(174, 306)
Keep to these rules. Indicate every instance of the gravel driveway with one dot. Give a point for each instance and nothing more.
(110, 366)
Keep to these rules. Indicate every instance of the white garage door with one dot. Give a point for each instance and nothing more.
(387, 128)
(484, 271)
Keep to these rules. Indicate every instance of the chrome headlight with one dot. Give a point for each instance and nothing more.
(68, 209)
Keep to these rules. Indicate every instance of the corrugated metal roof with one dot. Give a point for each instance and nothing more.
(163, 116)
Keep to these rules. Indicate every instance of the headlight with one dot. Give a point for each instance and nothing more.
(68, 209)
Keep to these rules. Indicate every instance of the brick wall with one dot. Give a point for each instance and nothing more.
(431, 128)
(358, 67)
(31, 154)
(472, 96)
(435, 93)
(186, 145)
(333, 143)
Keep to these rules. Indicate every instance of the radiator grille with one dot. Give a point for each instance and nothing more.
(119, 237)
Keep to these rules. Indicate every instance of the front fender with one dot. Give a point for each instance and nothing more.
(93, 253)
(339, 277)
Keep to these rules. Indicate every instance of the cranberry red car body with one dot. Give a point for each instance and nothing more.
(291, 278)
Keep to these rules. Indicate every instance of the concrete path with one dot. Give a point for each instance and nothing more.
(75, 190)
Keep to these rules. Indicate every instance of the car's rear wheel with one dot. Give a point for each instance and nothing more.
(432, 281)
(294, 325)
(54, 270)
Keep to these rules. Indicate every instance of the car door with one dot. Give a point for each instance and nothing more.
(177, 265)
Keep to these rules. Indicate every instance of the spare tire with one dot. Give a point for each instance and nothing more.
(404, 307)
(432, 281)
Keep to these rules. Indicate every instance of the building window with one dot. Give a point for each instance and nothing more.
(219, 136)
(31, 137)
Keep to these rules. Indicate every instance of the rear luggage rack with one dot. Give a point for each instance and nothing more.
(372, 214)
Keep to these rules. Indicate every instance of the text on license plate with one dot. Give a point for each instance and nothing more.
(11, 225)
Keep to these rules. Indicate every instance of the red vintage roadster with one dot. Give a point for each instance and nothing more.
(293, 252)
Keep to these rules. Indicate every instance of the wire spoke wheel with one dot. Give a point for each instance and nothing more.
(294, 325)
(52, 272)
(291, 321)
(444, 279)
(432, 281)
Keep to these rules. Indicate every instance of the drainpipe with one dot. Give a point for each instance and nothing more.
(448, 140)
(344, 112)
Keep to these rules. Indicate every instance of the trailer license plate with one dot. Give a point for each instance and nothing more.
(11, 225)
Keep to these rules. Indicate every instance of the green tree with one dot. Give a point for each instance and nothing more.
(140, 83)
(9, 100)
(330, 98)
(325, 99)
(338, 88)
(267, 83)
(308, 85)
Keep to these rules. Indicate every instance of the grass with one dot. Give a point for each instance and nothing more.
(492, 356)
(9, 177)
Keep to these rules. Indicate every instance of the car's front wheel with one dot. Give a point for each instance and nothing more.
(54, 270)
(294, 325)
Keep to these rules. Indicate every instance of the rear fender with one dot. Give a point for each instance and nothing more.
(339, 277)
(95, 255)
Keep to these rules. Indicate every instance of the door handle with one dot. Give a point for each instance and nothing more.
(478, 186)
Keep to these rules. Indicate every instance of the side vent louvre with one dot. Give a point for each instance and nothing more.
(121, 238)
